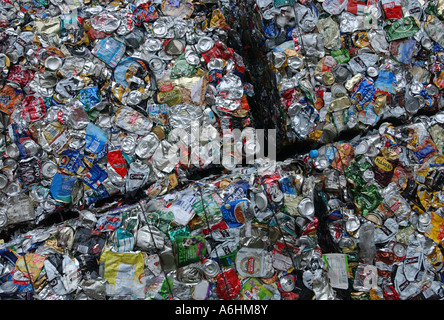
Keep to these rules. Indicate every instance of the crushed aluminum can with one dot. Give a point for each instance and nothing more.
(105, 22)
(306, 208)
(190, 275)
(156, 64)
(53, 63)
(204, 44)
(174, 47)
(3, 181)
(287, 283)
(146, 146)
(372, 72)
(210, 268)
(399, 251)
(12, 151)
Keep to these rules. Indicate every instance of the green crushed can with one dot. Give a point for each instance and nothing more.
(341, 55)
(402, 28)
(367, 199)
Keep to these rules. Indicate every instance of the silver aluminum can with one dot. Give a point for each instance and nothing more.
(204, 44)
(190, 275)
(216, 64)
(53, 63)
(306, 208)
(12, 151)
(346, 243)
(146, 146)
(134, 98)
(3, 181)
(156, 64)
(338, 91)
(114, 178)
(31, 147)
(174, 47)
(424, 220)
(412, 104)
(261, 200)
(372, 72)
(295, 63)
(105, 22)
(287, 283)
(275, 193)
(416, 88)
(49, 169)
(3, 217)
(400, 251)
(38, 193)
(361, 148)
(128, 144)
(352, 224)
(77, 192)
(48, 206)
(13, 188)
(168, 260)
(192, 57)
(160, 28)
(368, 175)
(152, 44)
(427, 43)
(10, 163)
(432, 90)
(341, 73)
(13, 56)
(278, 59)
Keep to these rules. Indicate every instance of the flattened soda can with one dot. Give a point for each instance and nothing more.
(156, 64)
(12, 151)
(190, 275)
(53, 63)
(287, 283)
(400, 251)
(205, 44)
(306, 208)
(128, 144)
(372, 72)
(192, 57)
(10, 163)
(338, 90)
(210, 268)
(13, 189)
(426, 43)
(49, 169)
(3, 181)
(31, 147)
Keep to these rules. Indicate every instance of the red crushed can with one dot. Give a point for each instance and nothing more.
(118, 162)
(228, 285)
(33, 108)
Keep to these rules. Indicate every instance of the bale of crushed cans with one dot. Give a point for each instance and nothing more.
(93, 208)
(328, 69)
(93, 95)
(360, 219)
